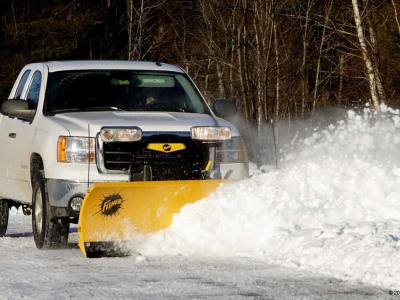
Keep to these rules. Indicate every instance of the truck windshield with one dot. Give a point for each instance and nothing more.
(123, 90)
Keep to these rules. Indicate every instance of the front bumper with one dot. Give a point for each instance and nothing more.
(60, 192)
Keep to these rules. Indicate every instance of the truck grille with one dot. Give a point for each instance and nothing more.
(189, 163)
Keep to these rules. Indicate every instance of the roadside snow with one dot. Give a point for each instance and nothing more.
(332, 207)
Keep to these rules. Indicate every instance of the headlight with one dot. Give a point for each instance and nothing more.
(231, 151)
(121, 134)
(211, 133)
(75, 149)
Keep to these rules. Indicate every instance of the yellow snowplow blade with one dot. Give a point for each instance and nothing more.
(111, 212)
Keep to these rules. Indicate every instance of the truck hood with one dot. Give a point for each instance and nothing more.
(77, 123)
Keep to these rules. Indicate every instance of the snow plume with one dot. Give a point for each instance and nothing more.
(332, 207)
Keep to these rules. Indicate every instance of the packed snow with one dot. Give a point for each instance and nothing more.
(331, 207)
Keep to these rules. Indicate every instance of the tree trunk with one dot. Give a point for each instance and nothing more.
(396, 15)
(240, 72)
(258, 34)
(130, 25)
(277, 86)
(304, 81)
(321, 47)
(375, 56)
(220, 75)
(341, 74)
(368, 63)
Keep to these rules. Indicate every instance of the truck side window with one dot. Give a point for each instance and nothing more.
(34, 90)
(21, 84)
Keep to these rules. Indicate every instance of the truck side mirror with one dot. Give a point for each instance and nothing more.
(225, 108)
(18, 109)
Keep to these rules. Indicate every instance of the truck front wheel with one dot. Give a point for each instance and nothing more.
(48, 232)
(4, 211)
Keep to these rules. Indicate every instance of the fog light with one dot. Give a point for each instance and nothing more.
(76, 203)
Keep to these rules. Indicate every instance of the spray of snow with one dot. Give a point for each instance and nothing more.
(332, 207)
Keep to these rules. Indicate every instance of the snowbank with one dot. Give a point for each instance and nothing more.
(332, 207)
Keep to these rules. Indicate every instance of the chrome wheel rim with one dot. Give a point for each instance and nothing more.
(38, 211)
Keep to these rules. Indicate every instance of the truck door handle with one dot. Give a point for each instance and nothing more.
(12, 135)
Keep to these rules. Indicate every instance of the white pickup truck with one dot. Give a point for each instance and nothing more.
(67, 125)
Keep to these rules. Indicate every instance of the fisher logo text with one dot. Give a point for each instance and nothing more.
(110, 205)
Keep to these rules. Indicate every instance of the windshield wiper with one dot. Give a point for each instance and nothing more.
(65, 110)
(100, 108)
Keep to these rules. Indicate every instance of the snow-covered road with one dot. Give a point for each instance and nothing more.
(27, 273)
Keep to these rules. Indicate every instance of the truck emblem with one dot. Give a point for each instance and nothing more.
(166, 147)
(110, 205)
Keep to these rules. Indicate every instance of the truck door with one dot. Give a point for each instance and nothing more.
(20, 134)
(16, 93)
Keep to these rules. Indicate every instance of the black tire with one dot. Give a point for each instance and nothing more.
(4, 211)
(48, 232)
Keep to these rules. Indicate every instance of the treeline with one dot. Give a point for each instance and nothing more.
(276, 58)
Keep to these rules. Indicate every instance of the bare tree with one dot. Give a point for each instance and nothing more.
(341, 75)
(141, 30)
(374, 51)
(366, 56)
(396, 15)
(277, 84)
(263, 26)
(304, 80)
(321, 48)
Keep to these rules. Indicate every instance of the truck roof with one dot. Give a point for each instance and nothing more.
(55, 66)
